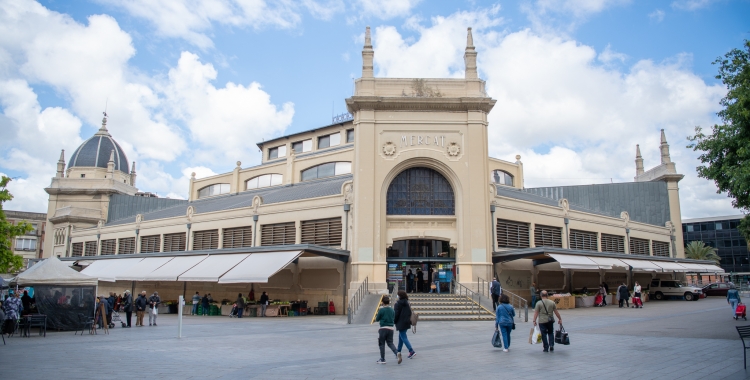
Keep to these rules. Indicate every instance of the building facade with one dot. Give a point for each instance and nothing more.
(31, 245)
(722, 233)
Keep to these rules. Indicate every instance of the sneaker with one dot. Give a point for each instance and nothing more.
(380, 361)
(551, 349)
(505, 350)
(398, 357)
(545, 350)
(412, 355)
(149, 324)
(154, 324)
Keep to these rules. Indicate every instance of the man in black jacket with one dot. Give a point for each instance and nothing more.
(263, 304)
(140, 308)
(127, 304)
(402, 321)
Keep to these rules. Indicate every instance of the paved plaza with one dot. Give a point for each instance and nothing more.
(665, 340)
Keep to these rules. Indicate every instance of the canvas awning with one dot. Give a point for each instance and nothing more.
(608, 263)
(259, 267)
(138, 271)
(108, 270)
(212, 268)
(174, 268)
(52, 271)
(712, 269)
(574, 262)
(642, 265)
(668, 266)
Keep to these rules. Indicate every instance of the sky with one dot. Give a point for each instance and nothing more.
(193, 85)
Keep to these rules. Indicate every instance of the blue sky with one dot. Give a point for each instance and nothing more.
(193, 85)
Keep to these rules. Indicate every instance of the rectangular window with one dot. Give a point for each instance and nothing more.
(613, 243)
(583, 240)
(126, 246)
(512, 234)
(238, 237)
(638, 246)
(150, 243)
(278, 234)
(302, 146)
(108, 246)
(326, 232)
(208, 239)
(690, 228)
(277, 152)
(660, 248)
(547, 236)
(77, 250)
(25, 244)
(90, 248)
(349, 135)
(324, 142)
(175, 242)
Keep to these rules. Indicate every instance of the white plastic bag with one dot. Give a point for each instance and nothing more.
(536, 336)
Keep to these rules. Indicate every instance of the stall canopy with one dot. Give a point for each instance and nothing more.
(212, 268)
(574, 262)
(174, 268)
(259, 267)
(53, 272)
(642, 265)
(108, 270)
(141, 269)
(608, 263)
(667, 266)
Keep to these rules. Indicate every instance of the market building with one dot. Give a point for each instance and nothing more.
(403, 182)
(29, 246)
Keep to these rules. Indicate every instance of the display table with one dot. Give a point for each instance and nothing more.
(564, 301)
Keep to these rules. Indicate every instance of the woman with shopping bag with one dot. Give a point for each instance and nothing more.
(504, 320)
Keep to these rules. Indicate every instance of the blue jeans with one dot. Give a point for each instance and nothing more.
(437, 287)
(195, 309)
(734, 303)
(505, 329)
(239, 312)
(403, 340)
(533, 300)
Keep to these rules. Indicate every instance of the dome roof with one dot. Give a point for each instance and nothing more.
(95, 152)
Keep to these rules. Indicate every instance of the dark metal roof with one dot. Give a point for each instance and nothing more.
(95, 152)
(123, 206)
(510, 192)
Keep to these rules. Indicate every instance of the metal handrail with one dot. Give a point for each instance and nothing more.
(516, 301)
(356, 299)
(461, 290)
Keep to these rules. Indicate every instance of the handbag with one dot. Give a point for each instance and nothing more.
(561, 337)
(497, 340)
(433, 286)
(535, 336)
(413, 319)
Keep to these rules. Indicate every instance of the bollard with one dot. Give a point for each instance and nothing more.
(180, 304)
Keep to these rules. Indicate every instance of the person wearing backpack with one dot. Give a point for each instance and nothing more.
(543, 314)
(402, 319)
(504, 320)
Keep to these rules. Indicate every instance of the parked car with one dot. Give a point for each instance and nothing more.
(716, 289)
(662, 289)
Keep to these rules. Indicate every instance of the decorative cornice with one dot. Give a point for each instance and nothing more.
(356, 103)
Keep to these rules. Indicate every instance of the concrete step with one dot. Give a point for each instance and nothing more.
(450, 312)
(437, 318)
(443, 307)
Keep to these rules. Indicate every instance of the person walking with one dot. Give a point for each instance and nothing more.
(205, 307)
(410, 282)
(154, 302)
(196, 302)
(386, 317)
(240, 305)
(623, 294)
(532, 290)
(495, 291)
(603, 292)
(504, 314)
(402, 320)
(543, 315)
(637, 295)
(733, 298)
(263, 304)
(26, 303)
(140, 308)
(436, 281)
(127, 305)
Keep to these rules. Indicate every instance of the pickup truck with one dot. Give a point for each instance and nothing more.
(662, 289)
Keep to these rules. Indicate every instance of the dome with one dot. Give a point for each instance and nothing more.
(95, 152)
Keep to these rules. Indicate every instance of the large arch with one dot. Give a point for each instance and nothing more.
(420, 191)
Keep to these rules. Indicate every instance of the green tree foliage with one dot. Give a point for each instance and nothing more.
(9, 262)
(726, 151)
(697, 250)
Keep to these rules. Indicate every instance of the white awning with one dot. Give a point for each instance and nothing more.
(138, 271)
(107, 270)
(668, 266)
(608, 263)
(642, 265)
(574, 262)
(694, 268)
(174, 268)
(712, 269)
(259, 267)
(213, 267)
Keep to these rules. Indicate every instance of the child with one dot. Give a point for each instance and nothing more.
(386, 316)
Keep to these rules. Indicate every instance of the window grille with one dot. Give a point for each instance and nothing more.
(638, 246)
(175, 242)
(512, 234)
(90, 248)
(326, 232)
(583, 240)
(613, 243)
(238, 237)
(108, 246)
(547, 236)
(420, 191)
(77, 249)
(150, 243)
(208, 239)
(126, 246)
(660, 248)
(277, 234)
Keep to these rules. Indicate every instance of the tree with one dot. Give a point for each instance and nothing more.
(697, 250)
(726, 151)
(9, 262)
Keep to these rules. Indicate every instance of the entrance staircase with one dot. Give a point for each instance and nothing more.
(448, 307)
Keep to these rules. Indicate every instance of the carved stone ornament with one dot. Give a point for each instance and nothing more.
(626, 217)
(389, 149)
(189, 214)
(99, 225)
(138, 220)
(564, 205)
(257, 200)
(668, 224)
(349, 193)
(453, 149)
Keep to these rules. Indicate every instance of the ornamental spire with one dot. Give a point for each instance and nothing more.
(103, 130)
(470, 57)
(664, 147)
(367, 56)
(638, 161)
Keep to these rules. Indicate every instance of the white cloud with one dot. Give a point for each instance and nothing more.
(657, 15)
(691, 5)
(326, 10)
(386, 9)
(610, 56)
(564, 15)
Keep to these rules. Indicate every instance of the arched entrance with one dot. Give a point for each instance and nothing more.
(428, 261)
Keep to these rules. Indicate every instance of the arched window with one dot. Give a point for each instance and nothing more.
(264, 180)
(217, 189)
(501, 178)
(420, 191)
(328, 169)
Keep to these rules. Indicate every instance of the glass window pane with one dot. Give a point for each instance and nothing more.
(297, 147)
(690, 228)
(273, 153)
(327, 170)
(264, 180)
(324, 142)
(224, 188)
(282, 151)
(335, 139)
(343, 168)
(253, 183)
(276, 179)
(311, 173)
(350, 136)
(307, 145)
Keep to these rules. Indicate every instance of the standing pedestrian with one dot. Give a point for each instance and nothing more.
(26, 302)
(495, 291)
(127, 305)
(196, 302)
(386, 317)
(637, 296)
(240, 305)
(733, 298)
(140, 308)
(603, 291)
(402, 319)
(205, 307)
(410, 282)
(504, 315)
(263, 304)
(418, 278)
(623, 295)
(532, 290)
(543, 315)
(154, 302)
(436, 280)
